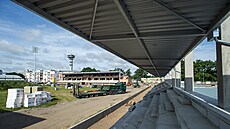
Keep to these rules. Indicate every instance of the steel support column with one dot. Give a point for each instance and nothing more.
(223, 67)
(178, 74)
(189, 75)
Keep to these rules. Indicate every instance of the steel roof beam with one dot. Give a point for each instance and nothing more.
(215, 23)
(48, 3)
(165, 66)
(158, 69)
(162, 34)
(131, 24)
(93, 19)
(142, 59)
(176, 13)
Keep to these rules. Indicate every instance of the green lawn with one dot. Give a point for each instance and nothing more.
(59, 96)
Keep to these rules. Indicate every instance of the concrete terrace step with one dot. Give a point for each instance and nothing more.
(169, 106)
(135, 118)
(149, 120)
(166, 119)
(144, 115)
(187, 115)
(183, 100)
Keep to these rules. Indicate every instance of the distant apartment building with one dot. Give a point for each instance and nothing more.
(92, 78)
(50, 76)
(29, 75)
(42, 76)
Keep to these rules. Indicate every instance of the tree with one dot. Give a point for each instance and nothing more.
(88, 69)
(140, 73)
(18, 74)
(118, 69)
(128, 73)
(203, 70)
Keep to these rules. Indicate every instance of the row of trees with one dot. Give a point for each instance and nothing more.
(203, 70)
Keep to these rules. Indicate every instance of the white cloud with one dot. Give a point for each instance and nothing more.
(53, 48)
(31, 34)
(6, 27)
(41, 26)
(13, 48)
(5, 61)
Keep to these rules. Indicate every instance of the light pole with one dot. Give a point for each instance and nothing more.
(35, 50)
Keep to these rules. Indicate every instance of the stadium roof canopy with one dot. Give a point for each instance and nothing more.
(151, 34)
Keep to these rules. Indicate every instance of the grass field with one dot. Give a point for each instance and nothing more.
(59, 96)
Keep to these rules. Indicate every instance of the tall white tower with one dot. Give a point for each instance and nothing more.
(71, 58)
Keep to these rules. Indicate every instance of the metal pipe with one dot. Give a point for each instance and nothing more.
(222, 42)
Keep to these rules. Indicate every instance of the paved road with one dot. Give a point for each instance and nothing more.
(61, 115)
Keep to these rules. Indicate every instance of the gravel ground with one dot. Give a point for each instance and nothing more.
(62, 115)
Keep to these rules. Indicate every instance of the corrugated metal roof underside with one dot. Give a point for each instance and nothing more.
(145, 33)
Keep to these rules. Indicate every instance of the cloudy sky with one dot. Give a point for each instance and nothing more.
(21, 29)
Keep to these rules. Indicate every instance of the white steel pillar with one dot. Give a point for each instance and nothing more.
(189, 76)
(173, 74)
(223, 66)
(178, 74)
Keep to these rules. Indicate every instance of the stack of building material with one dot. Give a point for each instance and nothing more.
(14, 98)
(29, 100)
(43, 96)
(28, 89)
(36, 88)
(38, 99)
(17, 98)
(49, 98)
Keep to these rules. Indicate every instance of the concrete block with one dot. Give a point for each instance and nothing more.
(131, 108)
(130, 103)
(183, 100)
(169, 106)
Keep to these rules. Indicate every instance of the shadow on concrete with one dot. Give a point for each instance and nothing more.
(14, 120)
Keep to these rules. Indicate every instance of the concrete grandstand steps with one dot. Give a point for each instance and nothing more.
(187, 115)
(166, 119)
(155, 102)
(169, 106)
(133, 119)
(150, 119)
(183, 100)
(144, 115)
